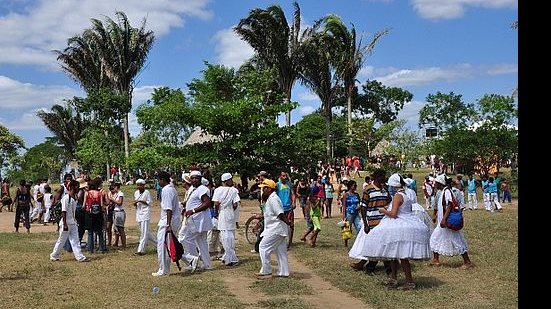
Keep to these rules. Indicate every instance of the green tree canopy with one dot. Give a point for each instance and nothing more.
(444, 111)
(9, 144)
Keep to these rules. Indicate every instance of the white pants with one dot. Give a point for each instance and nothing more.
(194, 241)
(487, 203)
(228, 242)
(269, 244)
(145, 236)
(162, 254)
(472, 201)
(213, 240)
(47, 215)
(35, 211)
(428, 202)
(495, 200)
(72, 234)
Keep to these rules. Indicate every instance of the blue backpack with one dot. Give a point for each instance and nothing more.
(455, 218)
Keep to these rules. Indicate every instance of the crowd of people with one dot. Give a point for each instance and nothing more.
(390, 225)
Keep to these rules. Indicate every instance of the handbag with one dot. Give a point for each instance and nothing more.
(455, 218)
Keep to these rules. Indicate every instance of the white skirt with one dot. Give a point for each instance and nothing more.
(404, 237)
(448, 242)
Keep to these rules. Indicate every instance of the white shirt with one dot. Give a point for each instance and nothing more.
(272, 224)
(116, 198)
(47, 200)
(143, 209)
(169, 201)
(201, 220)
(227, 196)
(41, 188)
(447, 196)
(70, 207)
(36, 189)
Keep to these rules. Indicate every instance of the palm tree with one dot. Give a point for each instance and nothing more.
(109, 54)
(318, 73)
(275, 43)
(349, 57)
(66, 124)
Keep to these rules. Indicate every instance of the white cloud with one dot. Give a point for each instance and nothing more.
(423, 76)
(306, 110)
(230, 49)
(24, 122)
(29, 34)
(450, 9)
(366, 72)
(23, 96)
(308, 96)
(142, 94)
(410, 113)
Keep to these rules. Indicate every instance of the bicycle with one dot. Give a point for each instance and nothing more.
(253, 226)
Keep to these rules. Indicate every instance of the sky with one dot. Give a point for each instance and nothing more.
(464, 46)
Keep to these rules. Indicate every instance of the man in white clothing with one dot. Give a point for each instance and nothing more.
(226, 199)
(275, 232)
(170, 221)
(198, 223)
(68, 228)
(142, 202)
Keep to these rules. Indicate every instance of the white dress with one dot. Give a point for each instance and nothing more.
(403, 237)
(445, 241)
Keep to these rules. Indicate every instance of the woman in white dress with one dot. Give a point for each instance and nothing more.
(417, 209)
(443, 240)
(399, 236)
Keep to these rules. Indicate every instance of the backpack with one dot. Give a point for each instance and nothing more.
(455, 218)
(94, 206)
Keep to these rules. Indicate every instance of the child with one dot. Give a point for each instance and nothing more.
(47, 203)
(346, 233)
(315, 215)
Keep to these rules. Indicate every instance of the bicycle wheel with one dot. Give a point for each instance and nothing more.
(252, 226)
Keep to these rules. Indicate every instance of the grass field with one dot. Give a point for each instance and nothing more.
(123, 280)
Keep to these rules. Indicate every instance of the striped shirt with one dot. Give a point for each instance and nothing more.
(373, 199)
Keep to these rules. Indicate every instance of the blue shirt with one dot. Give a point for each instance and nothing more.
(284, 192)
(485, 186)
(492, 187)
(352, 201)
(471, 185)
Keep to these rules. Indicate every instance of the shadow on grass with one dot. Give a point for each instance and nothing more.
(15, 276)
(423, 282)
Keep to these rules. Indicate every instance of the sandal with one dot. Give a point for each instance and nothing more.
(408, 286)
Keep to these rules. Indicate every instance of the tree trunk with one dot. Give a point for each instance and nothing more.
(126, 152)
(107, 164)
(349, 120)
(286, 100)
(244, 181)
(328, 137)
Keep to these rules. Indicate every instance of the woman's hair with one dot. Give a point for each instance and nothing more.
(74, 185)
(22, 182)
(351, 183)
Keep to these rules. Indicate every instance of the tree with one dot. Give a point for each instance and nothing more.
(236, 110)
(319, 74)
(350, 56)
(43, 160)
(368, 134)
(486, 144)
(443, 111)
(9, 144)
(163, 116)
(275, 43)
(109, 54)
(66, 124)
(381, 102)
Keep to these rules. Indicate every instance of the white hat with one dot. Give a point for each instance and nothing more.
(441, 179)
(408, 181)
(204, 182)
(394, 180)
(226, 176)
(195, 173)
(140, 182)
